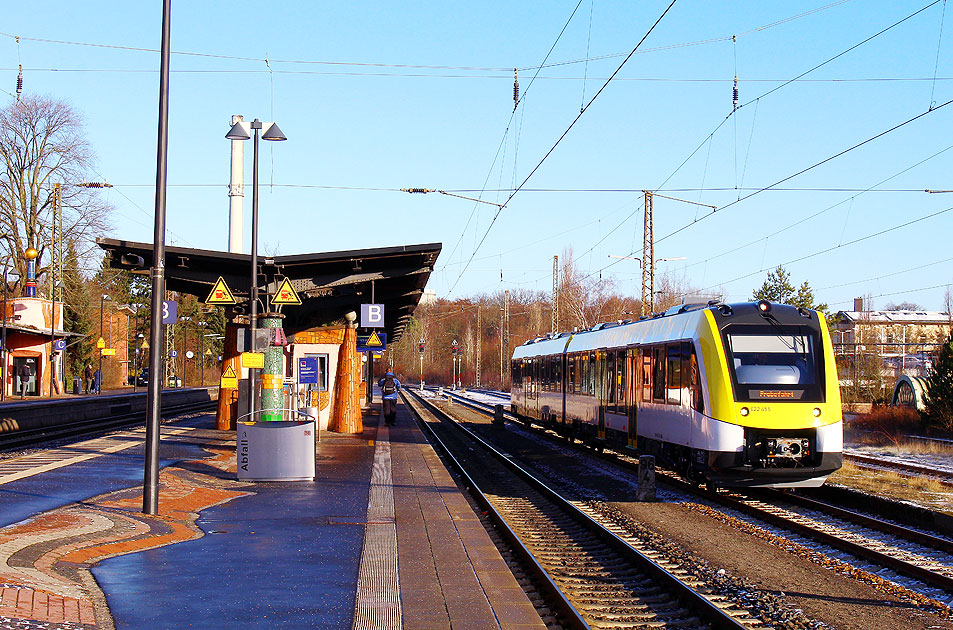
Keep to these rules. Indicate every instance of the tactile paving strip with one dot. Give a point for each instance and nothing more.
(377, 605)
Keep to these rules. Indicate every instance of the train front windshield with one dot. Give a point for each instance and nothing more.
(769, 363)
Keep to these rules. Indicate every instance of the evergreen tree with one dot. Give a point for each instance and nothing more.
(778, 289)
(939, 394)
(77, 315)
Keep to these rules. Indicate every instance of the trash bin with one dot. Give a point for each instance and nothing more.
(77, 386)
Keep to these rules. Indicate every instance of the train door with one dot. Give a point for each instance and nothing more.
(633, 369)
(534, 372)
(566, 378)
(606, 362)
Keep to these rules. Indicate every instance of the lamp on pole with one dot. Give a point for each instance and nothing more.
(9, 273)
(185, 347)
(102, 307)
(140, 346)
(201, 354)
(422, 342)
(240, 131)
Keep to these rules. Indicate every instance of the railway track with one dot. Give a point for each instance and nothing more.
(905, 468)
(23, 438)
(917, 554)
(591, 573)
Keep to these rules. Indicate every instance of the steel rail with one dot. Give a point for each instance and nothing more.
(30, 437)
(901, 566)
(713, 614)
(944, 477)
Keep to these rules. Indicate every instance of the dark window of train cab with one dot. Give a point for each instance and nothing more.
(775, 363)
(658, 374)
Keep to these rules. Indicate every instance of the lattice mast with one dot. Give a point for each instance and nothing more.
(648, 259)
(555, 293)
(479, 344)
(169, 347)
(506, 333)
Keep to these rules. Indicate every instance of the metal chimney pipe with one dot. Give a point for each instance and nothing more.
(236, 195)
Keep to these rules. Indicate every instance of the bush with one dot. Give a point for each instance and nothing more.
(888, 422)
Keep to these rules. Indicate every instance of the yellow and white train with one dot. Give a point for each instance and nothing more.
(740, 394)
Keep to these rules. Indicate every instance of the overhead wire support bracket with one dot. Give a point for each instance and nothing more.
(450, 194)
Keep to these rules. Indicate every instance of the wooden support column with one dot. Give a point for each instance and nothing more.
(346, 413)
(227, 412)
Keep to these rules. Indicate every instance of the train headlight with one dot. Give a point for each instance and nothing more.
(817, 412)
(764, 306)
(743, 411)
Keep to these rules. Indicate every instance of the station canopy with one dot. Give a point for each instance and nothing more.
(330, 284)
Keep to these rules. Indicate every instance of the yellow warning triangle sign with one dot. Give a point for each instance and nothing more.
(220, 293)
(286, 294)
(229, 372)
(373, 341)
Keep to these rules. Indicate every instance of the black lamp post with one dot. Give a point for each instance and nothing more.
(185, 347)
(240, 131)
(201, 354)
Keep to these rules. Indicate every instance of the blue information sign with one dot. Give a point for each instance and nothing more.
(308, 370)
(170, 311)
(59, 344)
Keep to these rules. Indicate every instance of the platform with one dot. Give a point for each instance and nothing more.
(381, 539)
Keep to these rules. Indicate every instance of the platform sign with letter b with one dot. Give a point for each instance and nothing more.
(372, 315)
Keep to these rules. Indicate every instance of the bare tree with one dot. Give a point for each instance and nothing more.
(582, 298)
(42, 144)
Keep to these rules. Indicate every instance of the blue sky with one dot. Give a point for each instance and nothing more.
(393, 95)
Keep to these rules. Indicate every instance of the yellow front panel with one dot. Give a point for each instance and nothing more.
(765, 415)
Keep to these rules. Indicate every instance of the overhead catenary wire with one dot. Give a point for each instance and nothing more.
(869, 189)
(559, 140)
(936, 63)
(799, 77)
(788, 178)
(830, 249)
(211, 55)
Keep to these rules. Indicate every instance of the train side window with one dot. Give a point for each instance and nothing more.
(571, 375)
(658, 374)
(646, 355)
(610, 379)
(674, 390)
(698, 403)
